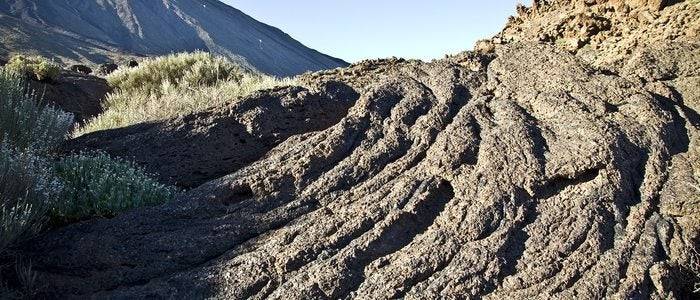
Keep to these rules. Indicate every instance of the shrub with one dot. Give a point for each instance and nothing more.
(26, 123)
(185, 69)
(27, 131)
(173, 86)
(27, 191)
(97, 185)
(36, 67)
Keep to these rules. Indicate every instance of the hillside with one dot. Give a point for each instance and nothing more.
(526, 169)
(95, 32)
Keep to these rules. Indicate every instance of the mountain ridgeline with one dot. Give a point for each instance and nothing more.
(98, 31)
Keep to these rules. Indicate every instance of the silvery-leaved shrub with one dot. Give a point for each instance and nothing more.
(27, 123)
(27, 191)
(28, 131)
(96, 185)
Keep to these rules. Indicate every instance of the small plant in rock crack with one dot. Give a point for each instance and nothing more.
(97, 185)
(27, 278)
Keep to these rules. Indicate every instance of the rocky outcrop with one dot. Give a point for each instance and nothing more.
(189, 151)
(107, 68)
(605, 32)
(83, 69)
(534, 175)
(74, 92)
(525, 172)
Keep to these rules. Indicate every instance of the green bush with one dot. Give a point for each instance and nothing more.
(26, 123)
(97, 185)
(36, 67)
(27, 191)
(173, 86)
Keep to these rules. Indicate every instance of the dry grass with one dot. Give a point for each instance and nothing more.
(173, 86)
(36, 67)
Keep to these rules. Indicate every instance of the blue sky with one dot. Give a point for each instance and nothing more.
(359, 29)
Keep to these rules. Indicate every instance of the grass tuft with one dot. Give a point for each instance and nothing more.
(173, 86)
(35, 185)
(36, 67)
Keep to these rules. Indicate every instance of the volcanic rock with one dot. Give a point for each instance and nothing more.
(192, 150)
(537, 176)
(74, 92)
(106, 69)
(81, 69)
(526, 171)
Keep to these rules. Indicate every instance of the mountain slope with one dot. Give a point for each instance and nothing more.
(97, 31)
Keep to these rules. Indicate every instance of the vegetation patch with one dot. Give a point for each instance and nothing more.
(35, 67)
(25, 122)
(175, 85)
(27, 191)
(97, 185)
(37, 187)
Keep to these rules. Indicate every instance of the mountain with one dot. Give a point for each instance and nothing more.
(531, 168)
(98, 31)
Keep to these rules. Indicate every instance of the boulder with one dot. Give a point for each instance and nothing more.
(74, 92)
(108, 68)
(83, 69)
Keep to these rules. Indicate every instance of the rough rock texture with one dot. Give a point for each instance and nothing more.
(99, 31)
(605, 32)
(536, 176)
(522, 173)
(192, 150)
(74, 92)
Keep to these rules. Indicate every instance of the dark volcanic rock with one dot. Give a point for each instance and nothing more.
(526, 172)
(74, 92)
(192, 150)
(535, 177)
(132, 64)
(106, 69)
(81, 69)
